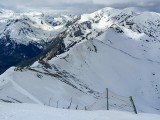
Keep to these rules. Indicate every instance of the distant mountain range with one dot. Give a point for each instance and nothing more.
(25, 35)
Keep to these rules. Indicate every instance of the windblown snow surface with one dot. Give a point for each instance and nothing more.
(39, 112)
(125, 59)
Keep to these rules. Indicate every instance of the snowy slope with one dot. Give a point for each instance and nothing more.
(37, 112)
(110, 48)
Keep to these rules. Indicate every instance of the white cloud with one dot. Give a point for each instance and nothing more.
(151, 4)
(47, 2)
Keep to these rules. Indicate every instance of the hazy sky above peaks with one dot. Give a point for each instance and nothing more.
(82, 5)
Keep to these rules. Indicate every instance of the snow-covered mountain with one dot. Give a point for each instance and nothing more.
(25, 35)
(110, 48)
(31, 26)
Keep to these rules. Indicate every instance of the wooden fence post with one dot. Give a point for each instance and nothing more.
(107, 99)
(57, 103)
(77, 107)
(134, 107)
(49, 102)
(70, 104)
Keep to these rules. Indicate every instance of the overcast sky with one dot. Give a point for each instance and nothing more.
(152, 5)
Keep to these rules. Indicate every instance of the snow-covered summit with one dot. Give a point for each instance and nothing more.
(30, 27)
(88, 26)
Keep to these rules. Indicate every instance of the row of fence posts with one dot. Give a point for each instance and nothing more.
(57, 104)
(107, 94)
(131, 99)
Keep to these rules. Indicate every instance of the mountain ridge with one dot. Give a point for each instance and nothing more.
(109, 48)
